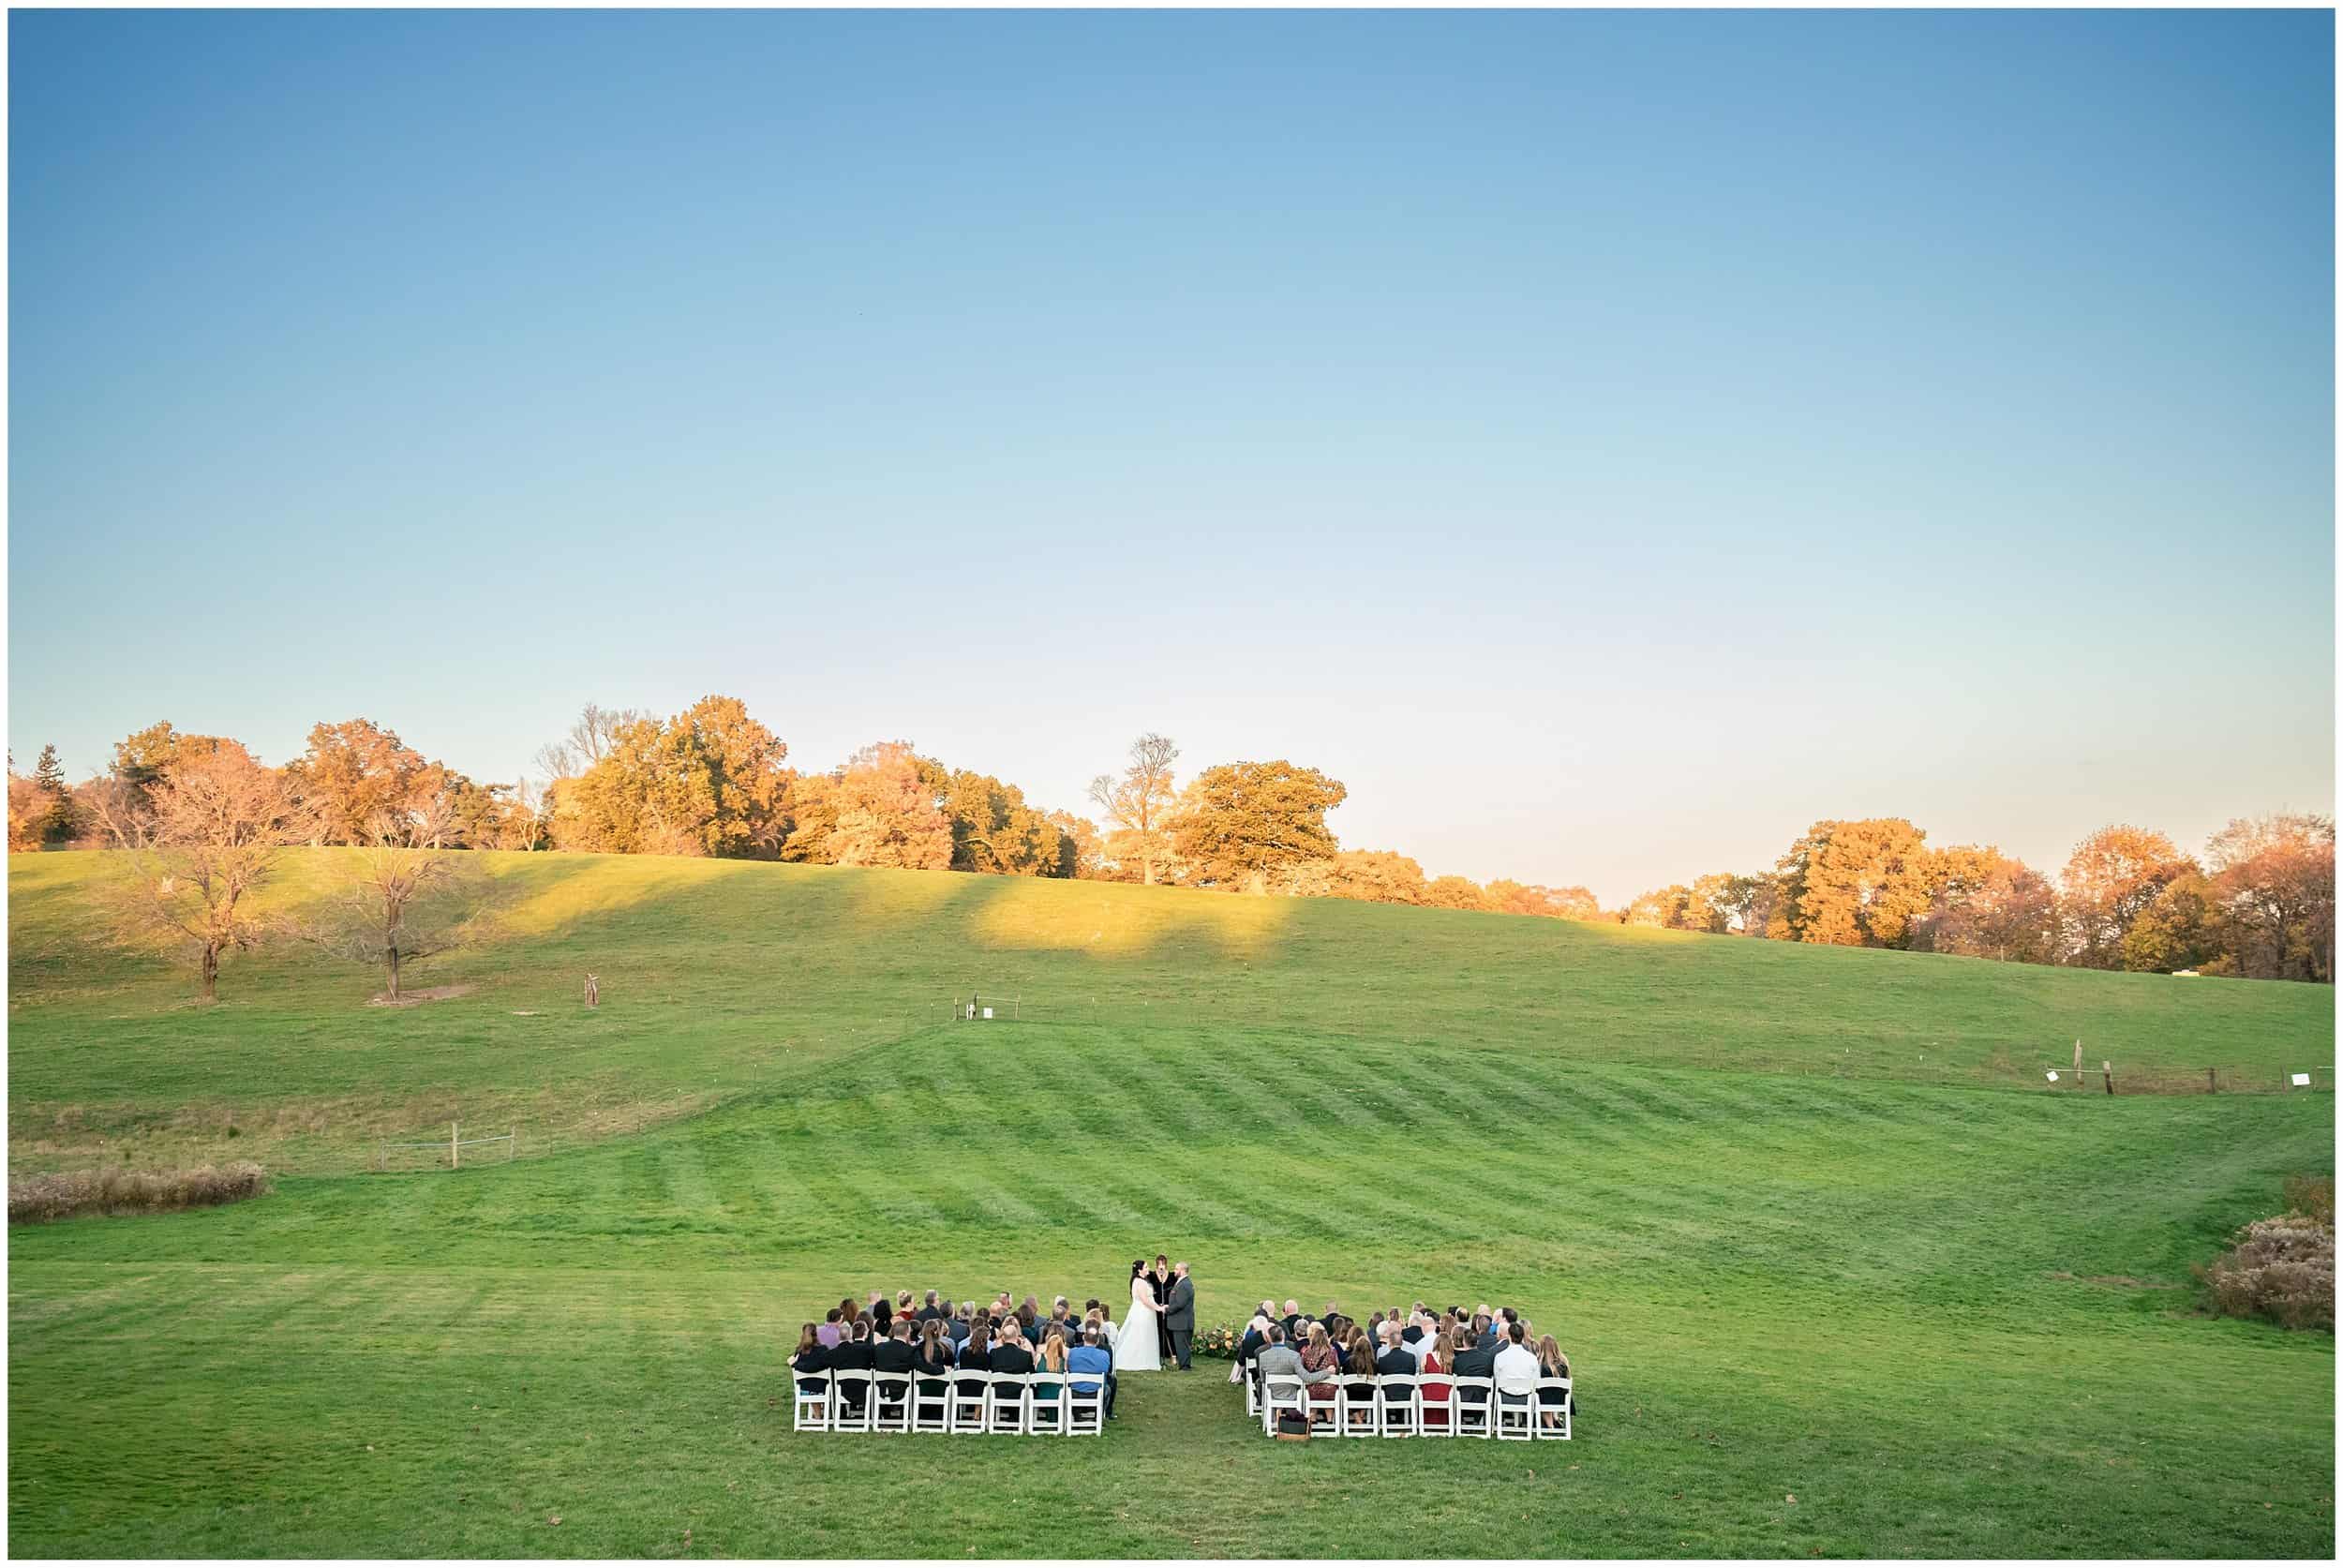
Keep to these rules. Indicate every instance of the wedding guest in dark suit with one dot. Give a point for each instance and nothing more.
(1479, 1361)
(851, 1355)
(894, 1354)
(1010, 1353)
(1395, 1359)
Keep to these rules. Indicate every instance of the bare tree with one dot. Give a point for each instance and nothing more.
(1137, 799)
(406, 900)
(208, 843)
(589, 740)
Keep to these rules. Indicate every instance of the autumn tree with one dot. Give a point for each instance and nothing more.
(1854, 884)
(352, 772)
(1573, 903)
(707, 782)
(57, 824)
(2183, 928)
(218, 818)
(1454, 893)
(587, 742)
(1663, 908)
(995, 831)
(407, 898)
(1138, 801)
(1376, 876)
(2274, 878)
(27, 811)
(1081, 850)
(1242, 821)
(2111, 877)
(1988, 904)
(882, 808)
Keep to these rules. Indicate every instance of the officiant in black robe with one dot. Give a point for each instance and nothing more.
(1159, 1285)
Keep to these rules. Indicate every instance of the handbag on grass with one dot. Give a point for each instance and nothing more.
(1294, 1428)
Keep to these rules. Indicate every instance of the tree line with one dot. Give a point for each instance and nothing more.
(713, 780)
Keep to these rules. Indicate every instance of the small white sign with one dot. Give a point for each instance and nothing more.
(2053, 1077)
(988, 1012)
(2302, 1080)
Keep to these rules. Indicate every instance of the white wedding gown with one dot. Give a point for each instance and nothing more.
(1135, 1347)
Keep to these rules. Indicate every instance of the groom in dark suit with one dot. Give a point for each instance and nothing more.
(1179, 1313)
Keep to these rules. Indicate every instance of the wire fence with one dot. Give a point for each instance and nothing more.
(2013, 1064)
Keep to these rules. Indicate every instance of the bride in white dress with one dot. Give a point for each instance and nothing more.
(1135, 1347)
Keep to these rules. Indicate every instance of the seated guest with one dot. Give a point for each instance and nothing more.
(1358, 1399)
(931, 1312)
(1029, 1322)
(894, 1354)
(977, 1354)
(1317, 1356)
(1427, 1329)
(1516, 1359)
(1476, 1360)
(1416, 1328)
(1484, 1331)
(1093, 1358)
(847, 1313)
(1052, 1359)
(1395, 1359)
(1293, 1321)
(812, 1355)
(1096, 1319)
(1375, 1325)
(1552, 1362)
(1279, 1359)
(956, 1326)
(935, 1357)
(1010, 1353)
(828, 1332)
(1439, 1350)
(881, 1316)
(853, 1355)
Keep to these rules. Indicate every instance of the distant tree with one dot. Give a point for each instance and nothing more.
(404, 901)
(747, 786)
(2274, 879)
(218, 818)
(1454, 893)
(2113, 875)
(27, 811)
(1986, 904)
(1663, 907)
(57, 824)
(995, 831)
(2183, 929)
(1137, 803)
(1854, 883)
(352, 772)
(888, 812)
(1575, 903)
(1376, 875)
(590, 739)
(1082, 851)
(707, 782)
(1241, 822)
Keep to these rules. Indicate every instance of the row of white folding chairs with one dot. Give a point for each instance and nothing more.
(967, 1402)
(1393, 1406)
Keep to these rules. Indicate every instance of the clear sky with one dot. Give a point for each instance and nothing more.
(1607, 442)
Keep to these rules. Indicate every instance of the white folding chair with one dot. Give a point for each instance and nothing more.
(931, 1405)
(1086, 1413)
(1328, 1405)
(1006, 1409)
(845, 1415)
(1396, 1414)
(810, 1411)
(1468, 1416)
(1280, 1392)
(1436, 1413)
(964, 1411)
(1048, 1416)
(1251, 1380)
(890, 1402)
(1554, 1420)
(1355, 1392)
(1516, 1409)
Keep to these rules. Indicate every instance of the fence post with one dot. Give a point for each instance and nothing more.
(454, 1149)
(2212, 1081)
(512, 1144)
(2107, 1070)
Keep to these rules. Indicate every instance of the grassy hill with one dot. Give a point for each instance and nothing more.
(1946, 1316)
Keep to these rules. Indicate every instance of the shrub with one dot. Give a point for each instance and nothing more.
(2313, 1196)
(2281, 1269)
(114, 1190)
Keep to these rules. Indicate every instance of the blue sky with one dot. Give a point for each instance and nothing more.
(1607, 442)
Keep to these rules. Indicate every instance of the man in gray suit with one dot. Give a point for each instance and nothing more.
(1179, 1313)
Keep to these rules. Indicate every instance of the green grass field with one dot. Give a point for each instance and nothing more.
(1947, 1312)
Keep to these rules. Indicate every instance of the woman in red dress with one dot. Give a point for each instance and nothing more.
(1440, 1358)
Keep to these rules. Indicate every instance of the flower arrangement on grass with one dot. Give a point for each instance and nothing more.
(1218, 1342)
